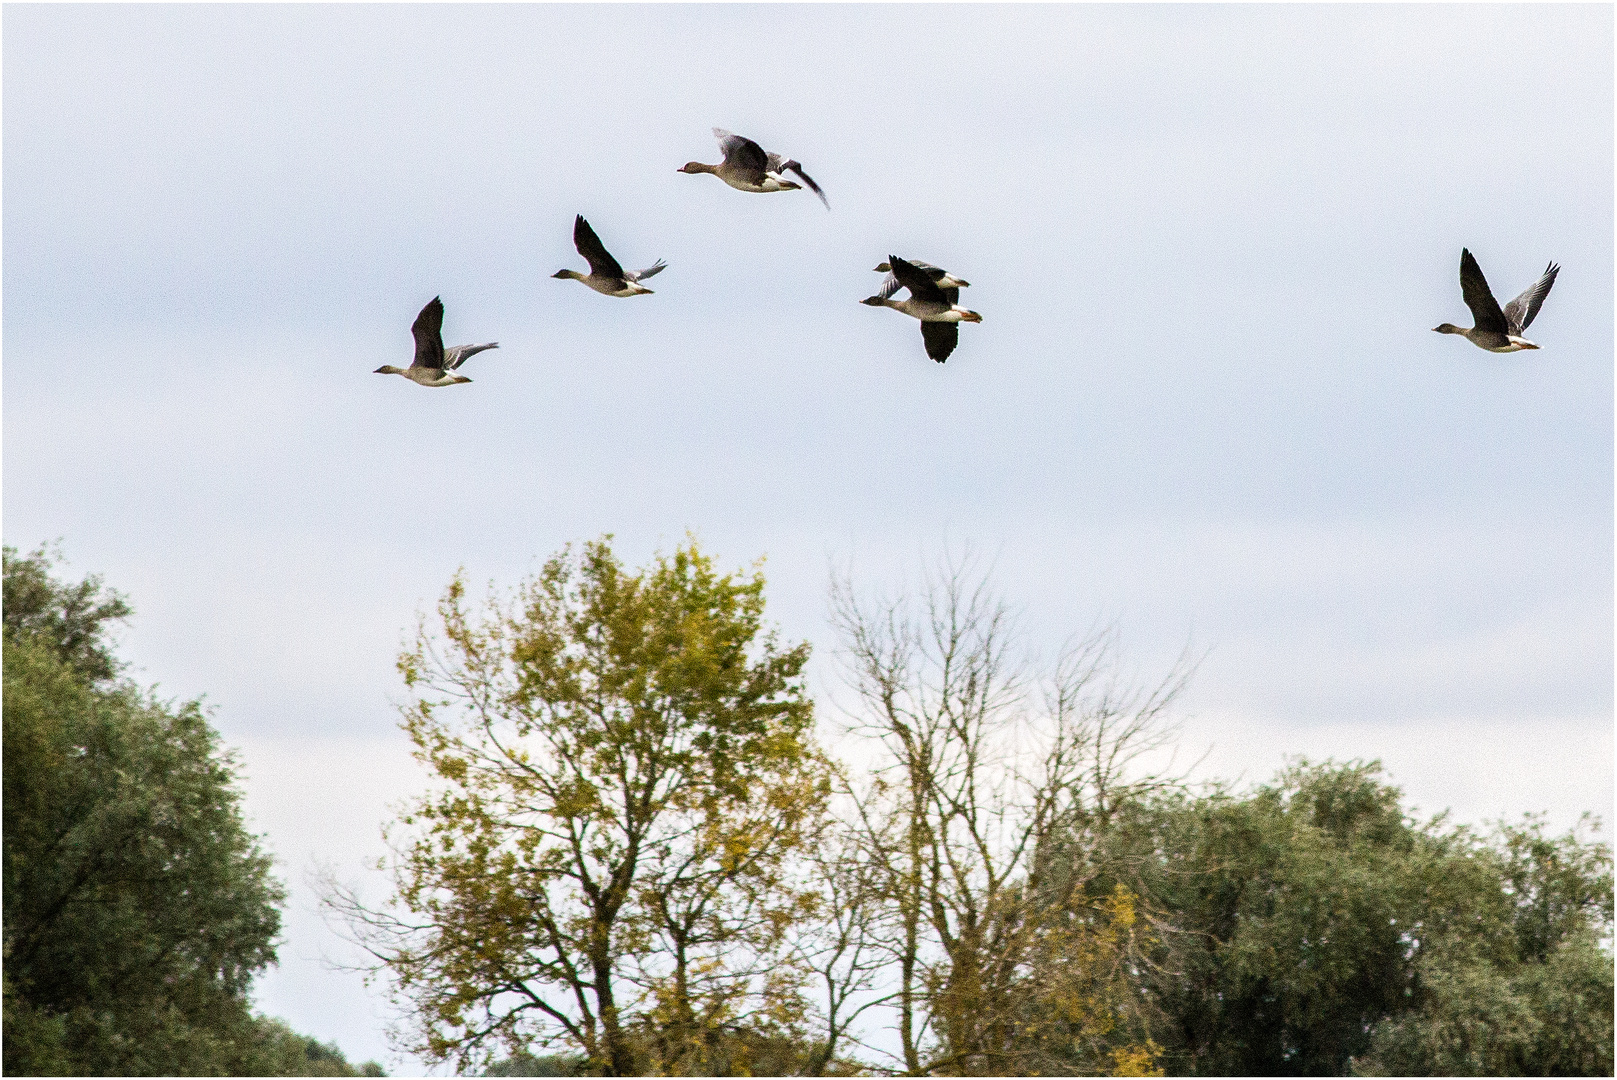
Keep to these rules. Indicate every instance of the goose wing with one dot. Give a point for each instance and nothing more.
(428, 329)
(940, 338)
(741, 152)
(916, 280)
(636, 275)
(602, 264)
(779, 165)
(1521, 312)
(1478, 297)
(890, 285)
(456, 355)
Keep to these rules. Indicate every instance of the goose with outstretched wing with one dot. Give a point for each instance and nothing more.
(940, 277)
(749, 167)
(606, 274)
(434, 365)
(1498, 330)
(937, 308)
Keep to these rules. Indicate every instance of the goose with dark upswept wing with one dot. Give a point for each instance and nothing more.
(434, 365)
(748, 167)
(606, 274)
(1496, 330)
(936, 307)
(940, 277)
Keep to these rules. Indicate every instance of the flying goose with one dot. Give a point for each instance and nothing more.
(1495, 330)
(940, 277)
(936, 308)
(747, 167)
(433, 363)
(606, 275)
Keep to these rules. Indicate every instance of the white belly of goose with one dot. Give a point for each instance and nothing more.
(1517, 344)
(771, 182)
(930, 312)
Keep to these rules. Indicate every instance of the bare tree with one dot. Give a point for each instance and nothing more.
(988, 769)
(845, 950)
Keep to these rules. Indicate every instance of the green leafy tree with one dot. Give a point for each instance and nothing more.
(1313, 928)
(71, 620)
(274, 1049)
(1521, 983)
(137, 908)
(627, 769)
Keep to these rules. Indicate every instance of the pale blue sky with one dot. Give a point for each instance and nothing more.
(1208, 244)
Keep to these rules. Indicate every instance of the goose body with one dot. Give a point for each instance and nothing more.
(940, 277)
(606, 275)
(434, 365)
(1498, 330)
(749, 167)
(935, 306)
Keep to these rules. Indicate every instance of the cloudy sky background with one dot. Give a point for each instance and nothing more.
(1208, 244)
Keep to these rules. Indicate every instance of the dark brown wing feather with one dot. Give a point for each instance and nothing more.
(916, 280)
(428, 329)
(940, 338)
(741, 151)
(1478, 297)
(602, 264)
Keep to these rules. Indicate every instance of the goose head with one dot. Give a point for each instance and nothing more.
(694, 167)
(1447, 328)
(388, 369)
(572, 275)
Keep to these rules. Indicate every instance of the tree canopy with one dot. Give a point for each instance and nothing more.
(137, 907)
(637, 860)
(626, 762)
(1312, 928)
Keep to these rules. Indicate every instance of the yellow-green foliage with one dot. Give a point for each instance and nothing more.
(626, 763)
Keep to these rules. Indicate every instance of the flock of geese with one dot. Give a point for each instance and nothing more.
(934, 293)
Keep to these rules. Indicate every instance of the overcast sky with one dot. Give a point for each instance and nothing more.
(1208, 244)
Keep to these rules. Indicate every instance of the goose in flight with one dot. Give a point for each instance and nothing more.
(606, 275)
(940, 315)
(940, 277)
(747, 167)
(1496, 330)
(434, 365)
